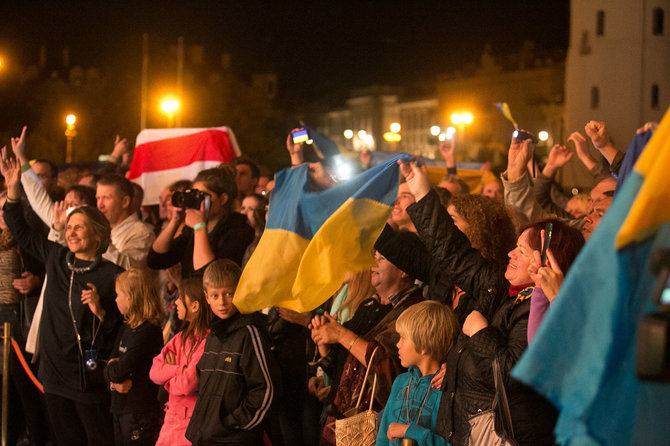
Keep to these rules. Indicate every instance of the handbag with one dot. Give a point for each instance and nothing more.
(360, 427)
(483, 425)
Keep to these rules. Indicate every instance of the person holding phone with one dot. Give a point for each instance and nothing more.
(213, 232)
(496, 328)
(549, 266)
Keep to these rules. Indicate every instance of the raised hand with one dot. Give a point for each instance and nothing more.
(10, 168)
(448, 149)
(582, 149)
(19, 146)
(558, 157)
(59, 216)
(416, 176)
(120, 148)
(520, 153)
(597, 131)
(295, 150)
(550, 277)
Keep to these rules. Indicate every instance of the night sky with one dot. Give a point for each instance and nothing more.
(314, 47)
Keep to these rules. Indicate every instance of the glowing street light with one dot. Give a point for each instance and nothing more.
(456, 118)
(170, 106)
(70, 133)
(348, 133)
(543, 135)
(466, 118)
(362, 134)
(395, 127)
(435, 130)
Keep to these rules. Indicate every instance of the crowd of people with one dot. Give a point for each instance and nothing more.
(127, 311)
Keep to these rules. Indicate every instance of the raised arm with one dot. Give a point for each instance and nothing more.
(558, 157)
(517, 182)
(295, 150)
(29, 241)
(597, 131)
(447, 149)
(35, 192)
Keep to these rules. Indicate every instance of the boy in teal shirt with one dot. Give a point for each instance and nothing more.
(427, 331)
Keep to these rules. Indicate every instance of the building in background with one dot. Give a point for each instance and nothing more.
(617, 70)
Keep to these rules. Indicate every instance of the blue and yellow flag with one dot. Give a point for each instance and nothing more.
(583, 355)
(507, 112)
(312, 239)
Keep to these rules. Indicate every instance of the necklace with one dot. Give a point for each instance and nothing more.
(70, 259)
(423, 403)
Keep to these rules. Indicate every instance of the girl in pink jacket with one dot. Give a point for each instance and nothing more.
(175, 366)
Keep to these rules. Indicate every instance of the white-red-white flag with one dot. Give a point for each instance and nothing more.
(163, 156)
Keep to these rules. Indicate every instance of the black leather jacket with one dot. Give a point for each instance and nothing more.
(468, 385)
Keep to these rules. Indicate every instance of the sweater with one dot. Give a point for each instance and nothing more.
(412, 401)
(60, 368)
(229, 240)
(135, 349)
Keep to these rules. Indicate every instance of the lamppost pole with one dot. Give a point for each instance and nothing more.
(70, 133)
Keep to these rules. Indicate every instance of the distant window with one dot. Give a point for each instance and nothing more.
(595, 97)
(654, 96)
(657, 22)
(600, 23)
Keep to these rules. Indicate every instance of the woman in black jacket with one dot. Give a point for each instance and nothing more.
(496, 328)
(80, 319)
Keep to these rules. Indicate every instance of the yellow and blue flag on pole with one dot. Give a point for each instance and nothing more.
(312, 239)
(583, 355)
(507, 112)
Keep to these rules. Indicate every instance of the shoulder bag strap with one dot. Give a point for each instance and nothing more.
(500, 401)
(374, 384)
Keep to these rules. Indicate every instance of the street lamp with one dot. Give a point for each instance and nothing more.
(70, 133)
(348, 133)
(461, 120)
(435, 130)
(170, 106)
(543, 135)
(395, 127)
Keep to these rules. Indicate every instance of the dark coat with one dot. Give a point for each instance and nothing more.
(238, 380)
(468, 386)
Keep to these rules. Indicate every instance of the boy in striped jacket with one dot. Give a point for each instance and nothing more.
(237, 374)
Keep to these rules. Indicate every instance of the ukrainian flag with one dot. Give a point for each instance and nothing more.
(584, 354)
(312, 239)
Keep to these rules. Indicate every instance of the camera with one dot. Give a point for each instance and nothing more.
(191, 199)
(91, 360)
(523, 135)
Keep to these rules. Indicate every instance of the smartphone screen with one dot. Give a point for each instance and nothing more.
(300, 136)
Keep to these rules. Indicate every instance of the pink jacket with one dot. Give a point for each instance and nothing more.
(181, 382)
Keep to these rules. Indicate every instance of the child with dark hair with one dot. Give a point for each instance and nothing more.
(174, 367)
(237, 373)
